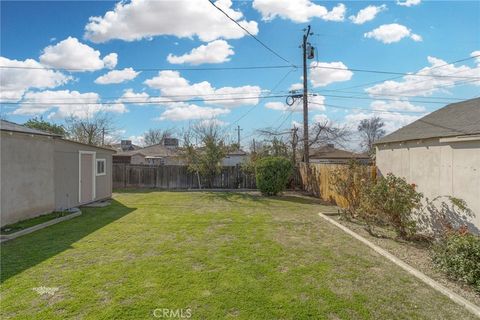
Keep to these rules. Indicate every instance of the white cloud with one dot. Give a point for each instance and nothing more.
(296, 86)
(276, 105)
(408, 3)
(191, 112)
(140, 19)
(137, 140)
(65, 103)
(299, 11)
(321, 75)
(322, 118)
(72, 54)
(317, 105)
(14, 82)
(217, 51)
(390, 33)
(117, 76)
(110, 60)
(170, 83)
(477, 55)
(393, 121)
(412, 85)
(395, 105)
(130, 96)
(367, 14)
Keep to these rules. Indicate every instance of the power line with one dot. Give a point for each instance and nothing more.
(392, 72)
(250, 34)
(365, 109)
(143, 102)
(401, 76)
(159, 69)
(259, 102)
(386, 99)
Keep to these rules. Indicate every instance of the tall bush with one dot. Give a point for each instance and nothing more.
(272, 174)
(349, 182)
(393, 201)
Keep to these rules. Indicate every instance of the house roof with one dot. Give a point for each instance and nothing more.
(157, 150)
(330, 152)
(456, 119)
(14, 127)
(239, 152)
(118, 147)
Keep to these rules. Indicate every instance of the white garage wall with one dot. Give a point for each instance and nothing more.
(437, 168)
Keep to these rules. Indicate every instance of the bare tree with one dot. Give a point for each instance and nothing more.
(370, 130)
(156, 136)
(325, 132)
(97, 129)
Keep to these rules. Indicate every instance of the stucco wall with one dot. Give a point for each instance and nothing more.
(437, 168)
(66, 173)
(26, 173)
(137, 159)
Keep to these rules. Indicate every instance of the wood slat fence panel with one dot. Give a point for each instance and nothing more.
(318, 180)
(176, 177)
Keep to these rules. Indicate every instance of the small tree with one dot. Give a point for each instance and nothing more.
(40, 124)
(92, 129)
(272, 174)
(206, 158)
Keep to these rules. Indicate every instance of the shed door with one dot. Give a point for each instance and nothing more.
(86, 174)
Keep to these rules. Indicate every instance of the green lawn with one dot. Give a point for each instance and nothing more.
(222, 255)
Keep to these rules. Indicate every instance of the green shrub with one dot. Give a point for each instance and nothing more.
(393, 201)
(458, 255)
(272, 174)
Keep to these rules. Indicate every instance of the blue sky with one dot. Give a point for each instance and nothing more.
(403, 37)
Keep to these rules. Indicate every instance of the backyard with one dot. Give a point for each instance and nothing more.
(217, 255)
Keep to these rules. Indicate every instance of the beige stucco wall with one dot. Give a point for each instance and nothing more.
(67, 175)
(26, 174)
(437, 168)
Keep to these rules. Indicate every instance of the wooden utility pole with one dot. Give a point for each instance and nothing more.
(294, 145)
(254, 149)
(238, 139)
(305, 98)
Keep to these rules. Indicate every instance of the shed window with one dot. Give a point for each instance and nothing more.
(101, 164)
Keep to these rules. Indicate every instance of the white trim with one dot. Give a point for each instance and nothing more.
(461, 138)
(94, 162)
(104, 166)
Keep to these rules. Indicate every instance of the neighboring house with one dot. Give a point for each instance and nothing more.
(124, 145)
(440, 153)
(234, 158)
(42, 172)
(157, 154)
(330, 154)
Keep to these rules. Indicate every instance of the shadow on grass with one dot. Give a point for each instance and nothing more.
(29, 250)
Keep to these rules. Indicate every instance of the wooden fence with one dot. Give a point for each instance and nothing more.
(176, 177)
(318, 180)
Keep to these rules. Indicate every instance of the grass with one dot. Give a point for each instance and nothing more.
(24, 224)
(221, 255)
